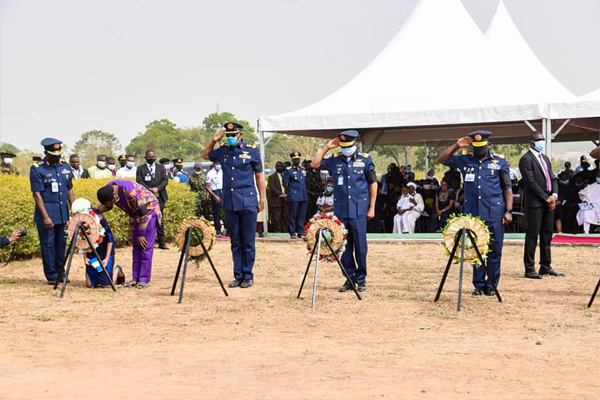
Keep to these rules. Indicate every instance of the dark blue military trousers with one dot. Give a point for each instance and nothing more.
(53, 243)
(356, 246)
(297, 216)
(217, 211)
(242, 232)
(494, 257)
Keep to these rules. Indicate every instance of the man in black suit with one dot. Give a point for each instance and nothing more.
(154, 177)
(540, 195)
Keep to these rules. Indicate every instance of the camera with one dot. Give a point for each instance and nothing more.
(23, 233)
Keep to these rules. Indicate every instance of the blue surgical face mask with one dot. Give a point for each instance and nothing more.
(539, 145)
(597, 180)
(348, 151)
(130, 164)
(564, 182)
(169, 166)
(329, 189)
(218, 167)
(232, 141)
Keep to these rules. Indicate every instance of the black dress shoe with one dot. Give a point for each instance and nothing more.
(551, 272)
(246, 283)
(478, 291)
(292, 236)
(488, 291)
(362, 287)
(347, 286)
(532, 275)
(235, 283)
(163, 247)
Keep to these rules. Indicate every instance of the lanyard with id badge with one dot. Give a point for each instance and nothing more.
(54, 185)
(340, 181)
(469, 174)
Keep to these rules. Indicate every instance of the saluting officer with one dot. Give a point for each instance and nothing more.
(241, 165)
(7, 166)
(294, 182)
(355, 192)
(488, 195)
(52, 187)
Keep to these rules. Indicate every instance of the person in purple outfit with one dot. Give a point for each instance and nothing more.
(144, 217)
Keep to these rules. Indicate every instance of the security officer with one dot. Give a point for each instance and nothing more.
(355, 192)
(294, 182)
(7, 166)
(488, 195)
(52, 187)
(241, 165)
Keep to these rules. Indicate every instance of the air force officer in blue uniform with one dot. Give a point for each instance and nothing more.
(241, 166)
(488, 195)
(355, 191)
(52, 188)
(294, 182)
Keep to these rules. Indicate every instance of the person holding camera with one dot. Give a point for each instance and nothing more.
(13, 237)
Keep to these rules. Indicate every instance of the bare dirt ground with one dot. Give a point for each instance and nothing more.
(541, 343)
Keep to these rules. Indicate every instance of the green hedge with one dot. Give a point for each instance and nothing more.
(17, 206)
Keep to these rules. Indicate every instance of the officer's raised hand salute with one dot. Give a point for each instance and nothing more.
(242, 167)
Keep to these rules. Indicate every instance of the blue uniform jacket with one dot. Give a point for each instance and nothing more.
(296, 179)
(239, 164)
(483, 186)
(53, 182)
(351, 189)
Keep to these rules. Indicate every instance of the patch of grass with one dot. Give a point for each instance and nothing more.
(41, 317)
(7, 281)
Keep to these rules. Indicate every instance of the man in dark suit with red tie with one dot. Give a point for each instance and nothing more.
(154, 177)
(540, 195)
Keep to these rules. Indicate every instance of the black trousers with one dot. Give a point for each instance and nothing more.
(540, 222)
(160, 231)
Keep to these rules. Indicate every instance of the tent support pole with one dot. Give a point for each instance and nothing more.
(426, 158)
(530, 126)
(547, 131)
(261, 138)
(561, 128)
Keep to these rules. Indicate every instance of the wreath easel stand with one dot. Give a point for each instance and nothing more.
(320, 237)
(186, 229)
(461, 238)
(83, 223)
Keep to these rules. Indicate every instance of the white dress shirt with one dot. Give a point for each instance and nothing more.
(215, 179)
(125, 172)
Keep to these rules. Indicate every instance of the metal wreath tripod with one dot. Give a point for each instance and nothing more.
(183, 260)
(594, 294)
(464, 232)
(79, 228)
(317, 250)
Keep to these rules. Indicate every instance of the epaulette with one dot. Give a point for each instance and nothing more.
(499, 155)
(336, 154)
(365, 155)
(251, 146)
(289, 168)
(36, 164)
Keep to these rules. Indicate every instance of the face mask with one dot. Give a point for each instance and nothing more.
(169, 166)
(129, 164)
(279, 170)
(348, 151)
(296, 162)
(329, 189)
(53, 159)
(426, 187)
(564, 182)
(479, 152)
(150, 160)
(540, 145)
(101, 164)
(111, 166)
(116, 198)
(8, 161)
(232, 141)
(578, 184)
(218, 167)
(198, 172)
(597, 180)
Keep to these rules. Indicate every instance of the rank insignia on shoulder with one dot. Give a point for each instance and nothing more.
(365, 155)
(500, 155)
(288, 168)
(251, 146)
(336, 154)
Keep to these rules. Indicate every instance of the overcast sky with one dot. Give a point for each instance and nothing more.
(67, 67)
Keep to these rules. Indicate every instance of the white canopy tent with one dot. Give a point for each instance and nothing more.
(439, 78)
